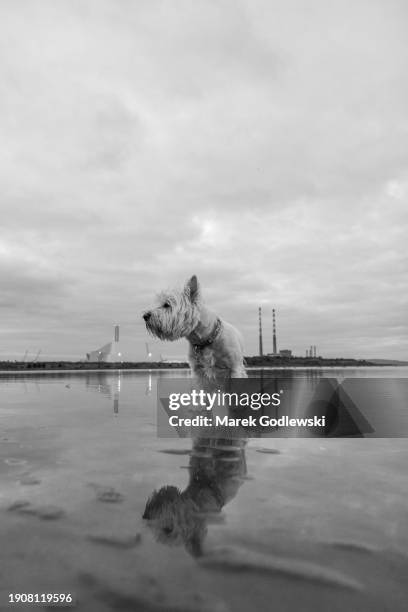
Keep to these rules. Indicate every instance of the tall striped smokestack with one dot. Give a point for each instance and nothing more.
(275, 351)
(260, 332)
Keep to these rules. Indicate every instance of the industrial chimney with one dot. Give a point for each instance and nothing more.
(275, 351)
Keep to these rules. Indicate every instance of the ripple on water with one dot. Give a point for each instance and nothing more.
(155, 601)
(122, 543)
(14, 461)
(45, 512)
(238, 559)
(106, 494)
(29, 480)
(361, 547)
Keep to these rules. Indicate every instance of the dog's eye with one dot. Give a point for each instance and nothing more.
(166, 305)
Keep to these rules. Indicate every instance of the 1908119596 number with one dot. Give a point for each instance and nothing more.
(49, 598)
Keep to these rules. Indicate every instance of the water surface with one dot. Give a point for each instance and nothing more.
(271, 524)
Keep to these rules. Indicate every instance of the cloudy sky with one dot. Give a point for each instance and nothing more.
(261, 144)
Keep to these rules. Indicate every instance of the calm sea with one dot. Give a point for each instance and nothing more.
(264, 524)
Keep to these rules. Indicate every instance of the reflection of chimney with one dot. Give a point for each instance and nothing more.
(274, 332)
(260, 332)
(117, 391)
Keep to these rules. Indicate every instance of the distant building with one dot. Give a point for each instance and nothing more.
(285, 353)
(173, 359)
(101, 354)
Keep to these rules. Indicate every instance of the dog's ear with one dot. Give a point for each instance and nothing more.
(159, 500)
(192, 289)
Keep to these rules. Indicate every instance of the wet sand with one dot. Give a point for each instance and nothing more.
(315, 525)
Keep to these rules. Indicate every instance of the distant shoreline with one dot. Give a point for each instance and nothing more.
(256, 361)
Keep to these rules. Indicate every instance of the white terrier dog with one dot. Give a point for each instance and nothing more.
(216, 349)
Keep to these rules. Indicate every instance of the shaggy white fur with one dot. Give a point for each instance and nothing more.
(216, 347)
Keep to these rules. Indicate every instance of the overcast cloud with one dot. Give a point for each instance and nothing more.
(262, 145)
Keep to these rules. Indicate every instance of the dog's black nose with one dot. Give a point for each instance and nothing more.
(147, 316)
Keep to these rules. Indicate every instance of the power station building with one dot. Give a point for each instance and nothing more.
(101, 354)
(108, 352)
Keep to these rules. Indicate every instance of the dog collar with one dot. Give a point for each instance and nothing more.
(198, 346)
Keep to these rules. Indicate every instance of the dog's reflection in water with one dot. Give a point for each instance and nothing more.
(217, 470)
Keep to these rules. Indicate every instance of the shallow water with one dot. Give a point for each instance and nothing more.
(296, 524)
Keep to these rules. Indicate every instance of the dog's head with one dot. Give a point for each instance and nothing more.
(174, 519)
(177, 312)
